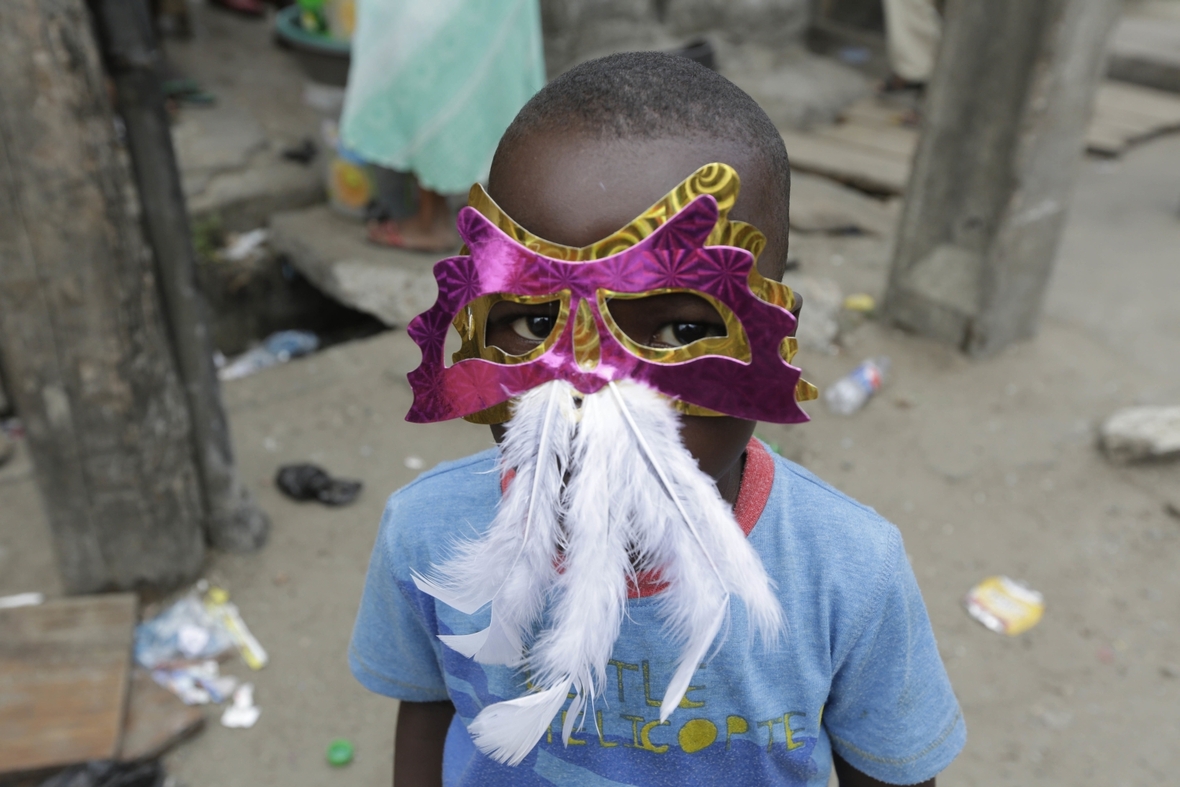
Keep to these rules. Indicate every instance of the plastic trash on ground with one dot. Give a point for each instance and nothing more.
(242, 713)
(278, 348)
(197, 684)
(21, 600)
(245, 244)
(218, 605)
(853, 391)
(340, 752)
(1004, 605)
(184, 632)
(860, 302)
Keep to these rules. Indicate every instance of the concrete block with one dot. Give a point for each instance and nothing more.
(1142, 433)
(331, 251)
(1145, 46)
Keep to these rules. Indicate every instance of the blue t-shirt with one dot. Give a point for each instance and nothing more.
(859, 671)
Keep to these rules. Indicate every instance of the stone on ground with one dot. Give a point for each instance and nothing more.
(1142, 433)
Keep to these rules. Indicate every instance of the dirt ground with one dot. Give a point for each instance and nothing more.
(987, 467)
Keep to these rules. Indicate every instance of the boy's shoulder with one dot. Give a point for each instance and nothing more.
(452, 500)
(824, 547)
(813, 509)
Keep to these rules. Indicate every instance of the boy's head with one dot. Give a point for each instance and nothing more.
(607, 139)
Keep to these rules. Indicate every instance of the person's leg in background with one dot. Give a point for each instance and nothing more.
(913, 29)
(407, 216)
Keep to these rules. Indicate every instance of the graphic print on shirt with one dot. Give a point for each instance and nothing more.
(626, 743)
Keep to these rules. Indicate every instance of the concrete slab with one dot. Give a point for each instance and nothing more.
(331, 251)
(1145, 46)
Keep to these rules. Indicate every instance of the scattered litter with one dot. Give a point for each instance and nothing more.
(277, 349)
(303, 153)
(860, 302)
(226, 614)
(415, 462)
(197, 684)
(185, 631)
(1004, 605)
(21, 599)
(103, 773)
(852, 392)
(242, 712)
(340, 752)
(1141, 433)
(853, 55)
(311, 482)
(245, 244)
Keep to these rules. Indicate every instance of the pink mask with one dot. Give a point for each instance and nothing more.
(745, 374)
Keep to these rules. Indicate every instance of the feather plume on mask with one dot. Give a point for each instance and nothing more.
(601, 492)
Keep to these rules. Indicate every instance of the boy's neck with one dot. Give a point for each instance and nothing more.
(730, 484)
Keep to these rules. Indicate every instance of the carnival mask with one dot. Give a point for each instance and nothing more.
(683, 244)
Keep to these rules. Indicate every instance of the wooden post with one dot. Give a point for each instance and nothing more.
(234, 521)
(84, 345)
(1003, 133)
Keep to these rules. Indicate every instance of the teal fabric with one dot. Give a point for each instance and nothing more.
(433, 85)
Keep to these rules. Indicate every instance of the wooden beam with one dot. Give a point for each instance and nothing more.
(83, 339)
(233, 520)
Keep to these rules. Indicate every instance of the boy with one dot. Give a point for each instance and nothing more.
(628, 510)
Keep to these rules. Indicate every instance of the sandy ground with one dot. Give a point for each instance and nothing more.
(987, 467)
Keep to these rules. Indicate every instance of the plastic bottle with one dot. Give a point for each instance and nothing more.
(850, 393)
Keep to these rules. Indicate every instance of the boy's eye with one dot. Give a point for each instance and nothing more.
(533, 327)
(678, 334)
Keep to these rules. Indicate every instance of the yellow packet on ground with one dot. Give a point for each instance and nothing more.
(1004, 605)
(218, 605)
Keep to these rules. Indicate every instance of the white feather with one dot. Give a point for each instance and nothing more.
(467, 644)
(591, 591)
(696, 602)
(507, 731)
(536, 448)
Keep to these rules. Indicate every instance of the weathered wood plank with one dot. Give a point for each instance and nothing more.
(64, 670)
(857, 166)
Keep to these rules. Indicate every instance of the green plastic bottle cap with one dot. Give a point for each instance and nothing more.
(340, 752)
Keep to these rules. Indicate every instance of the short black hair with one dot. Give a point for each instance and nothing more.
(655, 95)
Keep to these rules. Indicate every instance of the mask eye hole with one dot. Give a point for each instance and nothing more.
(666, 321)
(673, 326)
(518, 328)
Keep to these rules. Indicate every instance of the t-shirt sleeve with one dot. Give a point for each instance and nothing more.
(891, 712)
(393, 649)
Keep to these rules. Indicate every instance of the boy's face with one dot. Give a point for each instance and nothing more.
(575, 190)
